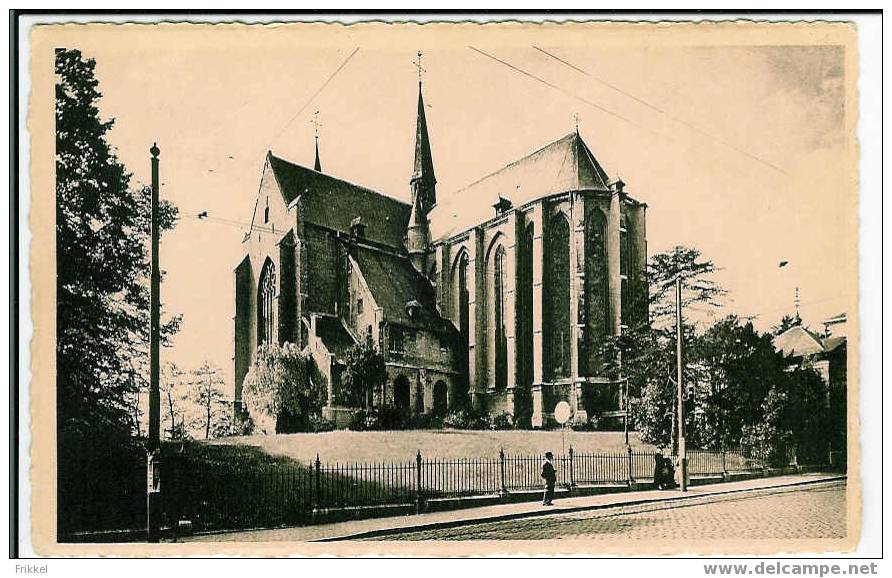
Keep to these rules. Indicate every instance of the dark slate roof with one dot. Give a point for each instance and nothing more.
(334, 335)
(334, 203)
(394, 283)
(564, 165)
(831, 343)
(424, 164)
(798, 341)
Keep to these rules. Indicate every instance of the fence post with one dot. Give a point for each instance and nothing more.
(629, 460)
(419, 498)
(317, 473)
(503, 492)
(572, 473)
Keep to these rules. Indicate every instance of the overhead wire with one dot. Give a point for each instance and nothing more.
(691, 126)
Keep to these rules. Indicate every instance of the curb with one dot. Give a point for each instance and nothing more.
(538, 513)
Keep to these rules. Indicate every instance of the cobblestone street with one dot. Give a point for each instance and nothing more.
(815, 512)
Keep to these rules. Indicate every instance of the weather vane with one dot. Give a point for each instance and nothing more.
(316, 123)
(418, 66)
(576, 120)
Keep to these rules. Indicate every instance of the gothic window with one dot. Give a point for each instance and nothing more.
(625, 259)
(266, 212)
(462, 299)
(266, 295)
(596, 297)
(525, 308)
(558, 298)
(498, 308)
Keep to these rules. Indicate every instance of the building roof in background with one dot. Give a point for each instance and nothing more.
(833, 343)
(334, 203)
(798, 342)
(565, 165)
(394, 283)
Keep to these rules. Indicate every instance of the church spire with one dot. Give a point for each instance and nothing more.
(423, 172)
(423, 183)
(317, 166)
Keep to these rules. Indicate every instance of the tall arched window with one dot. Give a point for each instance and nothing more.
(266, 294)
(596, 299)
(500, 341)
(462, 299)
(525, 308)
(557, 298)
(625, 269)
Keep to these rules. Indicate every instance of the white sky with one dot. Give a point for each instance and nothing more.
(237, 92)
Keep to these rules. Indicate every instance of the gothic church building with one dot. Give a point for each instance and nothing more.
(498, 295)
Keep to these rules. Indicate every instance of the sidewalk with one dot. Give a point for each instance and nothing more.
(379, 526)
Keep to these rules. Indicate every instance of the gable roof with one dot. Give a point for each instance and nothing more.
(334, 203)
(394, 283)
(798, 342)
(832, 343)
(566, 164)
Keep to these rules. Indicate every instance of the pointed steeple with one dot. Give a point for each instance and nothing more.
(424, 163)
(423, 171)
(317, 166)
(423, 184)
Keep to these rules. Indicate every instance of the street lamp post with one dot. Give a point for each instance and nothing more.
(679, 347)
(153, 466)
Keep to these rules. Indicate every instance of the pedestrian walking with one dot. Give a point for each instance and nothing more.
(549, 474)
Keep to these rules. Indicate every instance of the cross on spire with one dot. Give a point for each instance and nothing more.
(418, 66)
(576, 121)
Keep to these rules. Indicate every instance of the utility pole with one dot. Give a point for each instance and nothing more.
(153, 469)
(679, 339)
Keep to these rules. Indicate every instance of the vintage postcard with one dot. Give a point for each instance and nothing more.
(444, 288)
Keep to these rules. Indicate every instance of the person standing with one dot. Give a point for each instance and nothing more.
(549, 474)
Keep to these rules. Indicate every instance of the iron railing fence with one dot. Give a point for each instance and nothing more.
(228, 495)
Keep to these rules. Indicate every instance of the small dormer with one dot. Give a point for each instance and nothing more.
(502, 206)
(413, 308)
(357, 227)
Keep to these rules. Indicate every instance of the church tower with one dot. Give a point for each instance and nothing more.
(424, 196)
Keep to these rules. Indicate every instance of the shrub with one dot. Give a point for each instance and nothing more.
(282, 391)
(503, 421)
(379, 419)
(364, 374)
(467, 419)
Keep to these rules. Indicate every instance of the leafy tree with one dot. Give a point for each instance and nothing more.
(173, 385)
(644, 354)
(701, 294)
(786, 322)
(283, 391)
(207, 393)
(794, 414)
(737, 367)
(102, 230)
(364, 373)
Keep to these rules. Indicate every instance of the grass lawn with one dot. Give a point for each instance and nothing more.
(400, 446)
